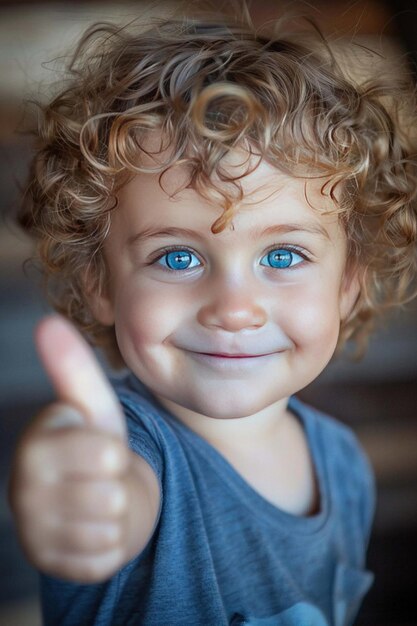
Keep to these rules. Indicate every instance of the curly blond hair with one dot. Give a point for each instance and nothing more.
(208, 88)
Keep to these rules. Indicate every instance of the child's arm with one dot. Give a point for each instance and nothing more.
(84, 503)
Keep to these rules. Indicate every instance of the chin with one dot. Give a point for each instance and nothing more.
(226, 409)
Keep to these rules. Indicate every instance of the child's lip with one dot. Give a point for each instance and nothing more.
(226, 355)
(232, 362)
(233, 355)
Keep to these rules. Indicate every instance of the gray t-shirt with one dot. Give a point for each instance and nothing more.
(221, 554)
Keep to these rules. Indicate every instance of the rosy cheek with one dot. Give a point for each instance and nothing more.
(136, 315)
(148, 315)
(311, 318)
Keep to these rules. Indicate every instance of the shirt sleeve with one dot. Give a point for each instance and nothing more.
(143, 435)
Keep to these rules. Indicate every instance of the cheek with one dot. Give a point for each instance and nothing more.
(145, 317)
(312, 317)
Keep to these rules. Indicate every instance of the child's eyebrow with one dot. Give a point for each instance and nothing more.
(169, 231)
(313, 228)
(276, 229)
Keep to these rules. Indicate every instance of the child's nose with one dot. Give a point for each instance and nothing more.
(232, 312)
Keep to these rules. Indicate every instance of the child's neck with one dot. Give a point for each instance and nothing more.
(269, 450)
(252, 430)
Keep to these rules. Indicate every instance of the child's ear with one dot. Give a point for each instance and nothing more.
(99, 299)
(349, 292)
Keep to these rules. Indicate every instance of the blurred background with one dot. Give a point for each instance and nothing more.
(377, 397)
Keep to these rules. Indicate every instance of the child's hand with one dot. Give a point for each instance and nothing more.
(84, 503)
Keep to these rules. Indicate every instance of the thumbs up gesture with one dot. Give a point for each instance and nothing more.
(84, 504)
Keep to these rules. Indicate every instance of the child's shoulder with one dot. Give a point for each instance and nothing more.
(337, 437)
(134, 395)
(348, 468)
(143, 419)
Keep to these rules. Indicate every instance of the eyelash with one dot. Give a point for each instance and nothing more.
(292, 249)
(287, 247)
(167, 250)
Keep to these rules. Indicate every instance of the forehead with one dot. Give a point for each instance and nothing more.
(150, 196)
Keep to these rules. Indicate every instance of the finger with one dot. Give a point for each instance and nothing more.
(81, 568)
(81, 537)
(70, 454)
(76, 501)
(57, 416)
(77, 376)
(90, 500)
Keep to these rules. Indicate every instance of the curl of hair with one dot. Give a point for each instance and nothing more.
(207, 89)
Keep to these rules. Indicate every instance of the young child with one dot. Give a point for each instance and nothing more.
(219, 210)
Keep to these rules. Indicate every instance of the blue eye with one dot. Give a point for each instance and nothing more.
(179, 260)
(281, 258)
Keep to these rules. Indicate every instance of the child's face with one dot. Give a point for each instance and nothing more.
(227, 324)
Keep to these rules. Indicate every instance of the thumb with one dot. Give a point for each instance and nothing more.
(77, 376)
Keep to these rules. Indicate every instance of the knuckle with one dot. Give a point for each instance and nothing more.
(110, 457)
(89, 538)
(80, 568)
(109, 536)
(60, 416)
(115, 500)
(100, 567)
(91, 501)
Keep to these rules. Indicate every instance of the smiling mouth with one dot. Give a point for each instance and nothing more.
(231, 363)
(233, 356)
